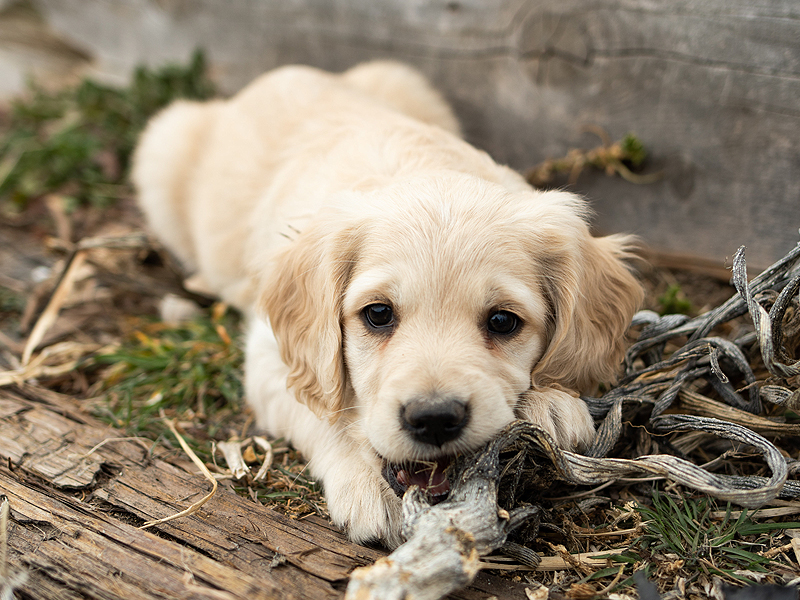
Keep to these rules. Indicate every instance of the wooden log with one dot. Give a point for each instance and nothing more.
(82, 548)
(75, 517)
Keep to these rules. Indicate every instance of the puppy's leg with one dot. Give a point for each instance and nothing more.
(359, 499)
(561, 414)
(406, 90)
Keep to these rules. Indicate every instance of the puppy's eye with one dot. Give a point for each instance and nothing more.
(502, 322)
(379, 316)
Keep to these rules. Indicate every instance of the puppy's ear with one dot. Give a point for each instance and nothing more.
(593, 296)
(302, 296)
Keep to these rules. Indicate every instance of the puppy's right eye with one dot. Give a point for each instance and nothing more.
(503, 322)
(379, 316)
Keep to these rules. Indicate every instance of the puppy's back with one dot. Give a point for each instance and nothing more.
(165, 157)
(404, 89)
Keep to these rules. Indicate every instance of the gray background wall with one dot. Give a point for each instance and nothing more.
(712, 87)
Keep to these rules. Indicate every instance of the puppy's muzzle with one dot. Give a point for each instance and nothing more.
(435, 420)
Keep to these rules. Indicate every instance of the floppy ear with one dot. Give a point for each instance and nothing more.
(593, 296)
(302, 296)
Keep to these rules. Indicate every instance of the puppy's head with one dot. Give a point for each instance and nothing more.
(436, 310)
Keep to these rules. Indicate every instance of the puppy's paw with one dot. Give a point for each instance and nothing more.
(363, 504)
(560, 413)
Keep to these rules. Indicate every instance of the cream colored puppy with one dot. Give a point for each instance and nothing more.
(407, 296)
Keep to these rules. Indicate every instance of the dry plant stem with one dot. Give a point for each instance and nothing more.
(445, 541)
(66, 281)
(590, 560)
(48, 317)
(140, 440)
(269, 455)
(65, 354)
(611, 585)
(607, 157)
(698, 404)
(199, 463)
(796, 547)
(593, 560)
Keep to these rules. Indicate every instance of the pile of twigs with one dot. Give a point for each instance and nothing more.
(654, 382)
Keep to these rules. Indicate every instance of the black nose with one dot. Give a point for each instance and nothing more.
(435, 420)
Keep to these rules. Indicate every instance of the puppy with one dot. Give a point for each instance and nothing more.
(407, 297)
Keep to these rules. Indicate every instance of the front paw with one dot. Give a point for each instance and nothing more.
(364, 505)
(560, 413)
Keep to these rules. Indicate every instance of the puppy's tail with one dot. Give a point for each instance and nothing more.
(404, 89)
(163, 164)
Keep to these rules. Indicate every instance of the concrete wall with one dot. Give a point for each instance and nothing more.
(712, 87)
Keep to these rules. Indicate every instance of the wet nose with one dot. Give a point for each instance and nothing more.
(435, 420)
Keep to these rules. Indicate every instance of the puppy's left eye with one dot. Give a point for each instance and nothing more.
(379, 316)
(502, 322)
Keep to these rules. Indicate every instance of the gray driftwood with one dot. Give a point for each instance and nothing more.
(446, 540)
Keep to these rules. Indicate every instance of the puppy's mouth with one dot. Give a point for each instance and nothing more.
(429, 476)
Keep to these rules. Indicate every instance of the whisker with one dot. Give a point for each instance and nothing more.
(343, 410)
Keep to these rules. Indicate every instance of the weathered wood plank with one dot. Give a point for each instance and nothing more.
(89, 551)
(50, 441)
(75, 514)
(246, 526)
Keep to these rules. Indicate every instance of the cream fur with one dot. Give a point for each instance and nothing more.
(309, 196)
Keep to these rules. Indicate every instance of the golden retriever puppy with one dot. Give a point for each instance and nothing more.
(407, 296)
